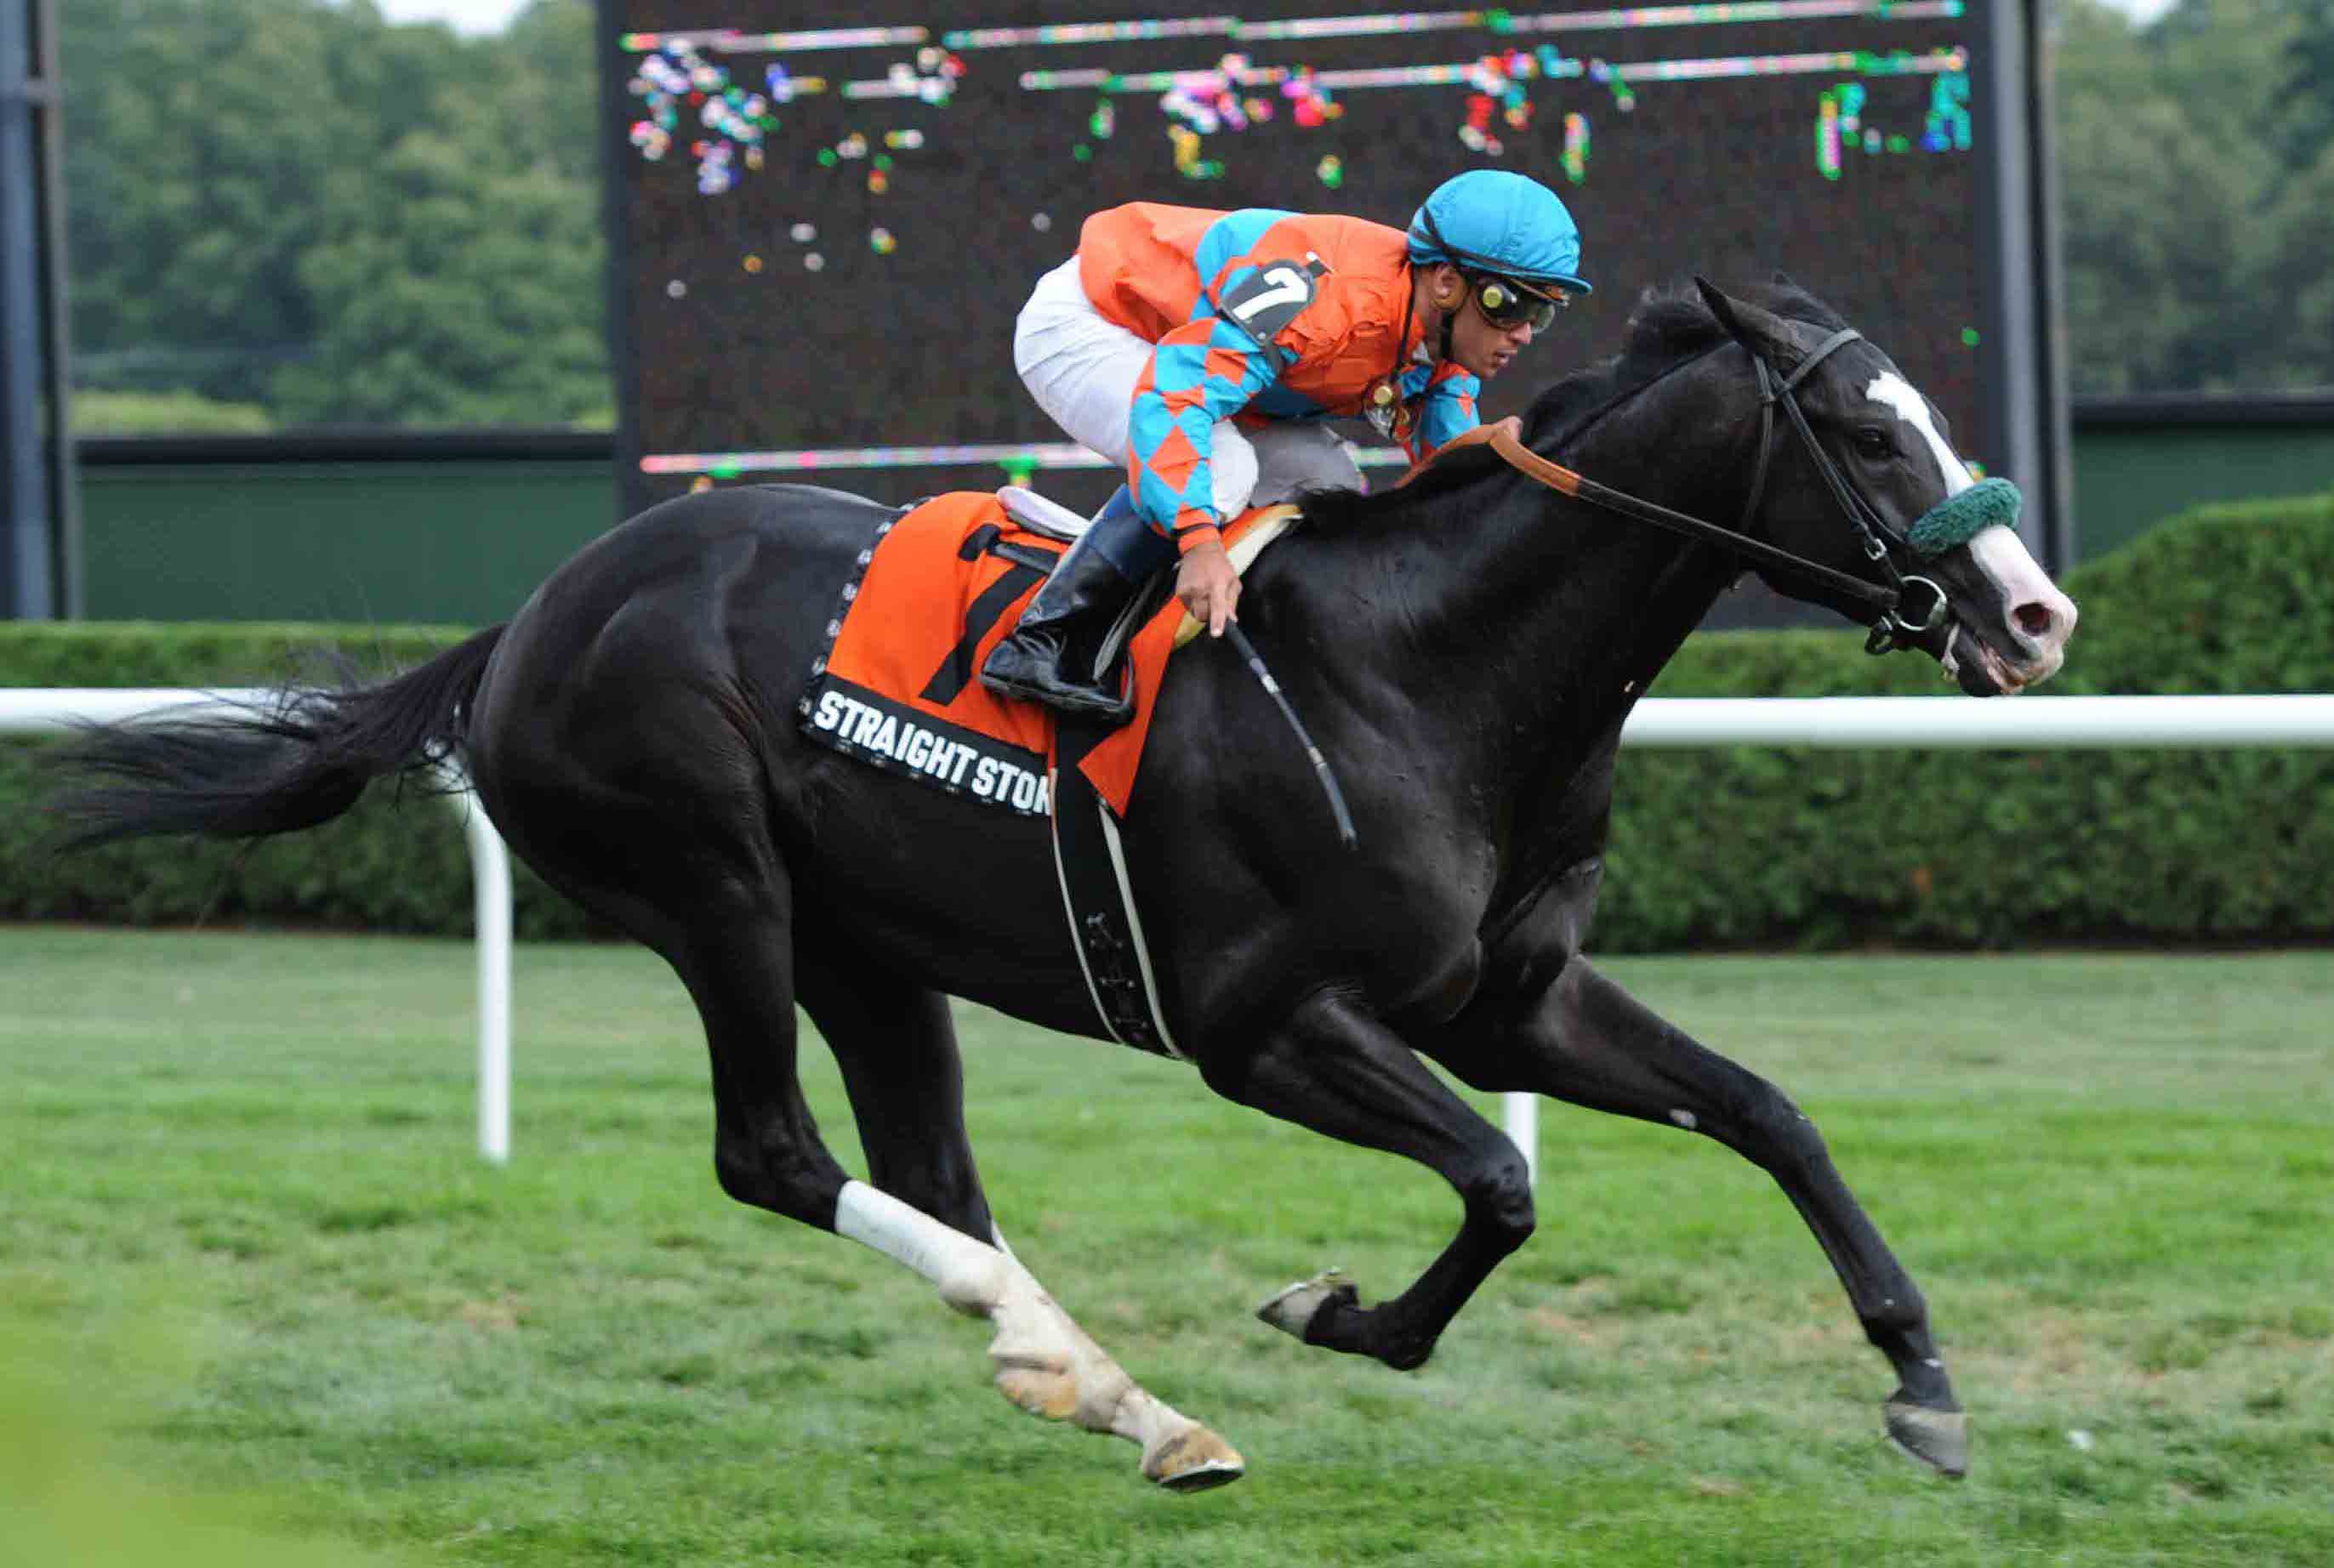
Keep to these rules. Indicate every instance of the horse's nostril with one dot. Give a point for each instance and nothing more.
(2033, 619)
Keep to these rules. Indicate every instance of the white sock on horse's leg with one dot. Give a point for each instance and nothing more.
(1044, 1362)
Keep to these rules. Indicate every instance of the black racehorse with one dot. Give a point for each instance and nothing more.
(1464, 650)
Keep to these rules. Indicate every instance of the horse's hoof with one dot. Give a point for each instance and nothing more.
(1194, 1460)
(1293, 1309)
(1938, 1438)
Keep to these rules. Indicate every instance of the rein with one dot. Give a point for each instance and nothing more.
(1891, 628)
(1556, 476)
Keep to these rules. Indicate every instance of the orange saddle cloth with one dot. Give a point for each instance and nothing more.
(899, 684)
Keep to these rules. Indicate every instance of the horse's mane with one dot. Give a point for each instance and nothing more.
(1669, 326)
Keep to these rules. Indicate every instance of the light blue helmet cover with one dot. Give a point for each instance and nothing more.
(1490, 220)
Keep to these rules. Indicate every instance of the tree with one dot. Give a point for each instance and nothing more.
(2292, 284)
(194, 167)
(548, 67)
(460, 286)
(297, 202)
(2185, 233)
(462, 281)
(2306, 104)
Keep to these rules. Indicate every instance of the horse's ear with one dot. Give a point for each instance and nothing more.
(1719, 305)
(1784, 280)
(1753, 326)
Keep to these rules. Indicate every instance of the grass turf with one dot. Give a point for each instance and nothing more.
(247, 1235)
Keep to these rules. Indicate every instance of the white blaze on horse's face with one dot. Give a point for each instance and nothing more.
(1895, 393)
(2036, 618)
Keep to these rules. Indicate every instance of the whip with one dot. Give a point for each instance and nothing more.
(1247, 650)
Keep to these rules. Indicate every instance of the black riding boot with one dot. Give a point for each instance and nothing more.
(1053, 654)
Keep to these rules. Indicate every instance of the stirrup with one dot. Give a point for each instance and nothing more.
(1064, 696)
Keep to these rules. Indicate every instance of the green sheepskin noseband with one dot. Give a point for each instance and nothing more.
(1960, 518)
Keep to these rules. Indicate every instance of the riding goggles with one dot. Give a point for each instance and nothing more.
(1508, 305)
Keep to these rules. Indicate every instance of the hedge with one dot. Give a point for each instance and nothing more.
(389, 865)
(1725, 847)
(1994, 849)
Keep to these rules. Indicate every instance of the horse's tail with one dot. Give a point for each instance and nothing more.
(296, 760)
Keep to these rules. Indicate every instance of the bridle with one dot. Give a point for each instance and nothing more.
(1892, 627)
(1895, 629)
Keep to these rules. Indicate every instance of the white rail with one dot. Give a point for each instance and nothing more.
(2034, 724)
(60, 711)
(1963, 724)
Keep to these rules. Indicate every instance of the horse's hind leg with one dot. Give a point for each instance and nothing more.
(1044, 1362)
(896, 1045)
(662, 833)
(1589, 1042)
(897, 1048)
(1334, 1068)
(731, 939)
(737, 959)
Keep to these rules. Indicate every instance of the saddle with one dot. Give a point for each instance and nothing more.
(896, 686)
(897, 683)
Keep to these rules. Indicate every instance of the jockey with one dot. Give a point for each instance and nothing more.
(1203, 349)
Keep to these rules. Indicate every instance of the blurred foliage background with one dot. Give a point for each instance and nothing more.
(2196, 184)
(295, 212)
(313, 216)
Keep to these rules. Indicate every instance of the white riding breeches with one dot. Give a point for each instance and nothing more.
(1081, 367)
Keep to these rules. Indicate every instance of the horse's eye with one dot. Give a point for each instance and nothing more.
(1874, 442)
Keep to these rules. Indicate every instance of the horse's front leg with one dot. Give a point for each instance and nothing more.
(1334, 1067)
(1587, 1040)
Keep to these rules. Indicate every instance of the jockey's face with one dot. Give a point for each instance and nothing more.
(1480, 345)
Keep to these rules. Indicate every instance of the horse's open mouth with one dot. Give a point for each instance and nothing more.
(1979, 670)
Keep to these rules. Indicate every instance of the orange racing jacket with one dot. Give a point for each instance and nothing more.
(1260, 314)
